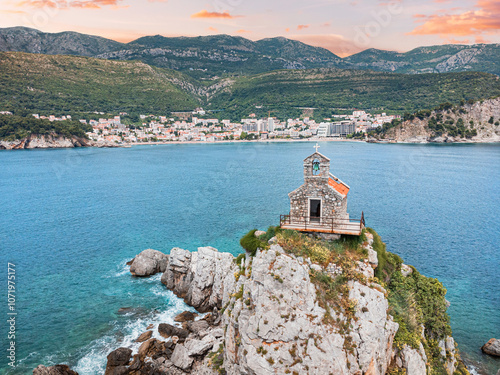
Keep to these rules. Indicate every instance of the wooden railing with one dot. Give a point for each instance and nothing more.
(304, 222)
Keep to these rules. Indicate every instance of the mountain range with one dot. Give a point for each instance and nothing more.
(62, 84)
(224, 55)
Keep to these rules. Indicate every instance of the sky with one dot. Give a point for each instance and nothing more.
(344, 27)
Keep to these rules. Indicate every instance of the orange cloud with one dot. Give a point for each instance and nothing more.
(302, 27)
(212, 29)
(335, 43)
(484, 20)
(206, 14)
(63, 4)
(241, 31)
(455, 41)
(287, 29)
(12, 11)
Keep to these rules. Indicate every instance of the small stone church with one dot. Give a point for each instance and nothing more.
(320, 204)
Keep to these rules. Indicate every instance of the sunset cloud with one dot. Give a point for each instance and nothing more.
(213, 29)
(337, 44)
(485, 20)
(206, 14)
(302, 27)
(12, 11)
(241, 31)
(65, 4)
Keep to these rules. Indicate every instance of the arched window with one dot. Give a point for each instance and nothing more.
(316, 169)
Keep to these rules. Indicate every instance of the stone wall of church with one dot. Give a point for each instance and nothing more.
(332, 205)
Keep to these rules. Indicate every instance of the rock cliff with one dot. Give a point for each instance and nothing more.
(296, 306)
(51, 141)
(471, 122)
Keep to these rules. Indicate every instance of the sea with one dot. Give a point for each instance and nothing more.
(71, 218)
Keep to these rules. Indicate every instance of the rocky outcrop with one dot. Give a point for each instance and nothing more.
(278, 325)
(480, 119)
(52, 141)
(198, 277)
(492, 347)
(117, 361)
(176, 355)
(54, 370)
(276, 313)
(149, 262)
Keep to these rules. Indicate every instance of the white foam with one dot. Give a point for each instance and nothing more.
(121, 269)
(93, 360)
(472, 370)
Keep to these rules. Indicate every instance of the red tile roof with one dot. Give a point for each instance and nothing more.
(339, 186)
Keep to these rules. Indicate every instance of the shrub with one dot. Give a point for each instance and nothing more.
(251, 243)
(387, 262)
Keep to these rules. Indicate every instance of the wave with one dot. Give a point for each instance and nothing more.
(93, 357)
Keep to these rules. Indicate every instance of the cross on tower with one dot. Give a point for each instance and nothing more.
(316, 147)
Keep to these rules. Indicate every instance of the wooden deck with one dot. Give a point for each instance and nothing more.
(348, 227)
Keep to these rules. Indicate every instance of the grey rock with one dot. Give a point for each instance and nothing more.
(366, 269)
(273, 240)
(198, 277)
(372, 257)
(492, 347)
(54, 370)
(149, 262)
(414, 361)
(259, 233)
(316, 267)
(198, 326)
(180, 357)
(406, 270)
(198, 347)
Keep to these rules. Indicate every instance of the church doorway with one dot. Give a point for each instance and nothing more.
(315, 210)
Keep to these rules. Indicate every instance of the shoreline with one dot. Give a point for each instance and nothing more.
(129, 145)
(238, 141)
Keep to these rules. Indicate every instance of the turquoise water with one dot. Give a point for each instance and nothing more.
(70, 220)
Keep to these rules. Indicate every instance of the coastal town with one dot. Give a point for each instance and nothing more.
(195, 126)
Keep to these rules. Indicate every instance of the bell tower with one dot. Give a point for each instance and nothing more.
(316, 165)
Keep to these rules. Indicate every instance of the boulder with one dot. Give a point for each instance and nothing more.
(54, 370)
(166, 330)
(492, 347)
(273, 240)
(372, 257)
(180, 357)
(198, 347)
(118, 370)
(149, 262)
(185, 316)
(119, 357)
(259, 233)
(198, 326)
(144, 336)
(145, 348)
(117, 361)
